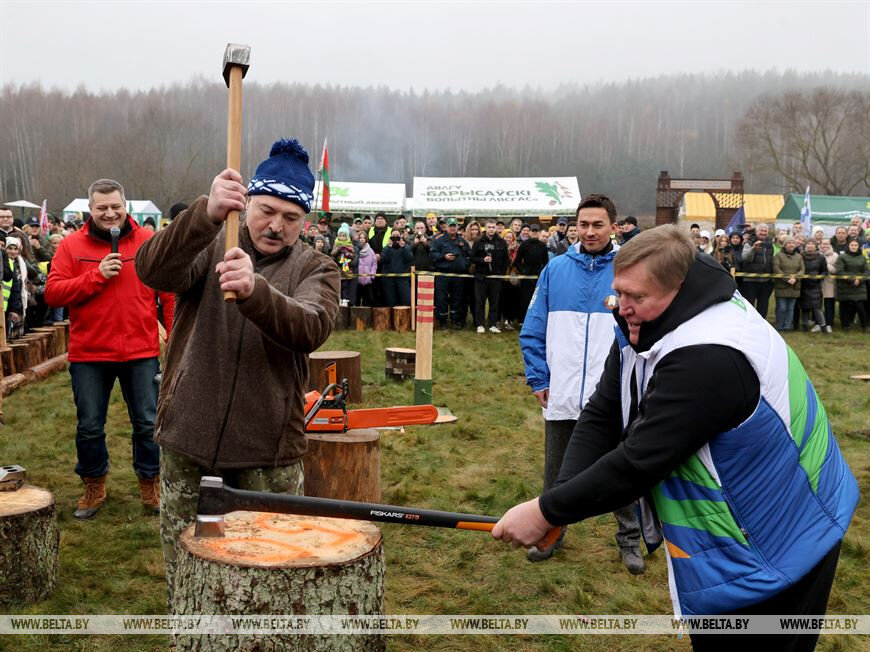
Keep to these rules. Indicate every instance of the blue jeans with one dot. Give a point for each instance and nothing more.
(92, 384)
(785, 313)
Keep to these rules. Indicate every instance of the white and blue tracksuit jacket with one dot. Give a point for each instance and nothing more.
(568, 330)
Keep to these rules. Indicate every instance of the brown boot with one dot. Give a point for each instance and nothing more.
(93, 499)
(149, 491)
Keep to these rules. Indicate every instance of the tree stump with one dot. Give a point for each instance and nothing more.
(347, 366)
(281, 564)
(400, 363)
(360, 318)
(402, 319)
(8, 361)
(344, 465)
(343, 318)
(29, 544)
(381, 319)
(20, 356)
(50, 334)
(34, 346)
(62, 337)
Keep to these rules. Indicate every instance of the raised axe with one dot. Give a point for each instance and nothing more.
(236, 62)
(217, 499)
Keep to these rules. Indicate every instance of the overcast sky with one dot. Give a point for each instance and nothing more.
(435, 45)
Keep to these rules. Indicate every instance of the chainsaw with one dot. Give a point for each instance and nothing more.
(327, 411)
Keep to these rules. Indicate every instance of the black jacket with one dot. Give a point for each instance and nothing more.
(485, 246)
(422, 259)
(443, 245)
(695, 393)
(758, 260)
(532, 257)
(396, 260)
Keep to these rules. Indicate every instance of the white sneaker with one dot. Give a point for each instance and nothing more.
(828, 329)
(815, 329)
(481, 329)
(494, 329)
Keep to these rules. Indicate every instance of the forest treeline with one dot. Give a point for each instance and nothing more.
(166, 144)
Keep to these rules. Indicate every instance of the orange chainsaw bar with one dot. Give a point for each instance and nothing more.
(336, 420)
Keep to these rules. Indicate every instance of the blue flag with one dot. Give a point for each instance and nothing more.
(737, 222)
(807, 215)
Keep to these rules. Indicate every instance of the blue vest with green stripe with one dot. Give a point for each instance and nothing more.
(756, 508)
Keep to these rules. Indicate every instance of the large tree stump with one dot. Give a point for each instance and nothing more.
(343, 318)
(62, 329)
(50, 334)
(20, 356)
(347, 366)
(344, 465)
(360, 318)
(402, 319)
(281, 564)
(381, 319)
(400, 363)
(29, 543)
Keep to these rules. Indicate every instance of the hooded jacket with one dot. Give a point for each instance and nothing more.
(110, 320)
(735, 449)
(236, 374)
(568, 330)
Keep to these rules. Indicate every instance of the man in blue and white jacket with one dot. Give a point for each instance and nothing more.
(566, 336)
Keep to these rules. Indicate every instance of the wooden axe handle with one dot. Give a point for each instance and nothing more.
(234, 157)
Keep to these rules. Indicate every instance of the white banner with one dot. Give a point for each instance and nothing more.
(496, 196)
(570, 624)
(357, 197)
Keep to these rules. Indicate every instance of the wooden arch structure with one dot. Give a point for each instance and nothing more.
(727, 196)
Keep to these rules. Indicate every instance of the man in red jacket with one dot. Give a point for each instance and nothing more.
(113, 335)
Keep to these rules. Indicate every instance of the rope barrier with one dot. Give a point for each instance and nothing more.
(508, 277)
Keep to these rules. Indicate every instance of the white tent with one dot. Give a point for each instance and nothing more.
(140, 209)
(532, 196)
(22, 203)
(358, 197)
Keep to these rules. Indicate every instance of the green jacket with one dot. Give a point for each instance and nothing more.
(785, 263)
(851, 264)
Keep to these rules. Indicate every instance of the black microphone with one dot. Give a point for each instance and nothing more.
(116, 232)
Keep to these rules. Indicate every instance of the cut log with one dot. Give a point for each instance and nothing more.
(39, 372)
(20, 355)
(400, 363)
(281, 564)
(343, 318)
(62, 337)
(34, 345)
(50, 334)
(347, 366)
(360, 318)
(7, 360)
(344, 465)
(402, 319)
(382, 319)
(29, 544)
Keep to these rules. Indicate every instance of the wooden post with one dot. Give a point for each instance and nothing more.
(413, 297)
(400, 363)
(344, 465)
(425, 323)
(20, 355)
(281, 564)
(7, 360)
(402, 319)
(343, 318)
(29, 545)
(360, 318)
(381, 318)
(50, 335)
(348, 365)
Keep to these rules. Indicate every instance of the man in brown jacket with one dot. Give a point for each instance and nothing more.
(232, 395)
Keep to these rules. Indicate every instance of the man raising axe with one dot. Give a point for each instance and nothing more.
(236, 372)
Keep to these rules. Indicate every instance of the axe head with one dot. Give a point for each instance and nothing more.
(210, 509)
(236, 55)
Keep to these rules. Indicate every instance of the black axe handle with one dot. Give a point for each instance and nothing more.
(217, 499)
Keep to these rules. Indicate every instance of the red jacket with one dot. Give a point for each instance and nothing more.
(111, 320)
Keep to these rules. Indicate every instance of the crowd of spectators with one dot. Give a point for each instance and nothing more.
(793, 256)
(489, 268)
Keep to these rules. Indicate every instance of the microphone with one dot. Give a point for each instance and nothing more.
(116, 232)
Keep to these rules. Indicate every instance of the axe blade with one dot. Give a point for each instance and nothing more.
(236, 55)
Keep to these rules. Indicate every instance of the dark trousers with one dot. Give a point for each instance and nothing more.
(807, 597)
(557, 434)
(527, 289)
(486, 289)
(448, 299)
(365, 295)
(829, 310)
(397, 291)
(848, 309)
(758, 294)
(92, 384)
(348, 290)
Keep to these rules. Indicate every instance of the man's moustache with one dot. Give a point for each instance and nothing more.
(269, 234)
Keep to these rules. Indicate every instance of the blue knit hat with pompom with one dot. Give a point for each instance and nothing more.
(285, 174)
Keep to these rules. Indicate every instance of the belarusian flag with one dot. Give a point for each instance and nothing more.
(324, 178)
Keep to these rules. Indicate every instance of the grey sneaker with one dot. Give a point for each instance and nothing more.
(828, 329)
(534, 554)
(633, 561)
(816, 329)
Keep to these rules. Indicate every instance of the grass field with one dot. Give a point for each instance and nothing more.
(486, 462)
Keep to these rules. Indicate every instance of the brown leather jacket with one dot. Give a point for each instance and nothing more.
(233, 387)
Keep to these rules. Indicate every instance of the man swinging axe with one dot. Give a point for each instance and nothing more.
(236, 372)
